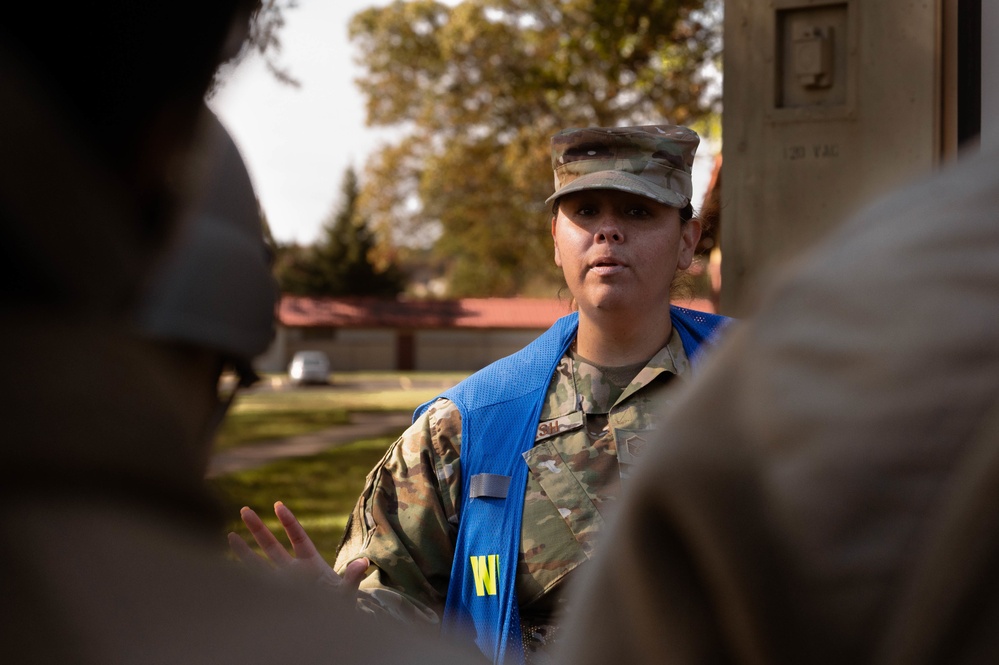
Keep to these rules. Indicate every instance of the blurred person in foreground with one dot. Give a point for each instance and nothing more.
(829, 490)
(134, 272)
(479, 515)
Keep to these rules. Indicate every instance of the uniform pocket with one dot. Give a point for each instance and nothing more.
(568, 496)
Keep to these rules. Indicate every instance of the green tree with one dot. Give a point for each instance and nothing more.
(294, 269)
(340, 263)
(478, 89)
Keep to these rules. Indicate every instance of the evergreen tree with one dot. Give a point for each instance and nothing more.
(294, 269)
(339, 264)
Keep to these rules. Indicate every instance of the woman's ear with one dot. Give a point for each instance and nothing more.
(558, 257)
(690, 234)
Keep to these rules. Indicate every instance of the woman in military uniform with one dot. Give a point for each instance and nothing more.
(477, 516)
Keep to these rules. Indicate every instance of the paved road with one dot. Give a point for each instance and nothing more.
(362, 426)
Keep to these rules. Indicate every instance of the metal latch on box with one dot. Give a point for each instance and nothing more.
(812, 56)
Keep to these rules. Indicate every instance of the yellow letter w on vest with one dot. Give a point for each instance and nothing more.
(485, 569)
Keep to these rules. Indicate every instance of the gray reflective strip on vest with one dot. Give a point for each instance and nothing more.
(489, 485)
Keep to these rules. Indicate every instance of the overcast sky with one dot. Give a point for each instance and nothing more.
(297, 142)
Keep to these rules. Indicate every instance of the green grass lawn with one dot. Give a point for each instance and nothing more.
(320, 490)
(277, 414)
(247, 426)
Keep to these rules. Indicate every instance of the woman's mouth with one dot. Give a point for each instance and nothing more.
(607, 266)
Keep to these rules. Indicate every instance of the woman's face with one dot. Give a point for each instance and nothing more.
(620, 251)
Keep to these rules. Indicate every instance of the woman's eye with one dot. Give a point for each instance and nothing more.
(638, 212)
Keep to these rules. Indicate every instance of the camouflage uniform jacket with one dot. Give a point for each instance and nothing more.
(406, 520)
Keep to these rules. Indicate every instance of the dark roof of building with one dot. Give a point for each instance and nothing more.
(511, 313)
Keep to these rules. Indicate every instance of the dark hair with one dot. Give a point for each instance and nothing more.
(114, 64)
(686, 213)
(121, 86)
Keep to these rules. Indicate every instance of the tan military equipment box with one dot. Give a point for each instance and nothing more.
(830, 103)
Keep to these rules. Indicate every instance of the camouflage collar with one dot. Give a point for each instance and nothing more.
(564, 393)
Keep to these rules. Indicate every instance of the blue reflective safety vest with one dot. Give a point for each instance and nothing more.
(500, 406)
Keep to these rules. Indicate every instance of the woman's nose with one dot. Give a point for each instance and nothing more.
(608, 230)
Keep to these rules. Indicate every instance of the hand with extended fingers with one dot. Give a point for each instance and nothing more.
(306, 560)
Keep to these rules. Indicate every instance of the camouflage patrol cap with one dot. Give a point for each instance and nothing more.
(654, 161)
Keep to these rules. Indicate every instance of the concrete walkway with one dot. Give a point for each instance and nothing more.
(362, 426)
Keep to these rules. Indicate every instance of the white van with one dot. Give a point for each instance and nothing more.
(309, 367)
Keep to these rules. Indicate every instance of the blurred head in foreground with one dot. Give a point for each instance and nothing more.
(213, 298)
